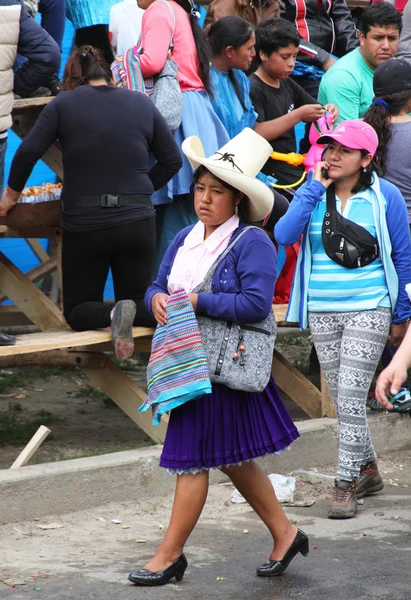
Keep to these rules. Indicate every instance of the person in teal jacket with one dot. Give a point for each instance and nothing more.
(348, 83)
(351, 312)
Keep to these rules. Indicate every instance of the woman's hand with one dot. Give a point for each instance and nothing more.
(397, 333)
(335, 113)
(8, 200)
(193, 299)
(158, 306)
(390, 382)
(318, 174)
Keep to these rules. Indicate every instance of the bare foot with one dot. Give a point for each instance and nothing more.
(282, 544)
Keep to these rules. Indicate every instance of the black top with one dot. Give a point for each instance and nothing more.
(106, 135)
(271, 103)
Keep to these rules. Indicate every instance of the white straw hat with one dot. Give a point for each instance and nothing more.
(237, 163)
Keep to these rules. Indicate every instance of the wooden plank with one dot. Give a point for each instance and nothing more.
(38, 272)
(63, 338)
(31, 448)
(28, 231)
(54, 160)
(38, 249)
(295, 385)
(29, 215)
(24, 104)
(11, 315)
(57, 358)
(327, 405)
(128, 396)
(23, 293)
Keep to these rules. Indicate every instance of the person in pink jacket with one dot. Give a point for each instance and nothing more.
(174, 204)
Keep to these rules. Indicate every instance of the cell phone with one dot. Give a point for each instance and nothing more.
(324, 173)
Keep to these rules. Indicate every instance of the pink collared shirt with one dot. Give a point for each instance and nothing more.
(196, 255)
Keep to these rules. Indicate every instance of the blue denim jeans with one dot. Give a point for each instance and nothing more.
(3, 147)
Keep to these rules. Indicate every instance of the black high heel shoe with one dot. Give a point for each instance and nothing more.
(176, 570)
(279, 567)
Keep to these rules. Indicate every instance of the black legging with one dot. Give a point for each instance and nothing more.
(86, 259)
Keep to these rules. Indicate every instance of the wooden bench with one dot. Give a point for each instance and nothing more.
(58, 345)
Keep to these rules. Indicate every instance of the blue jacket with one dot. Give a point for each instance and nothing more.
(243, 283)
(393, 234)
(40, 50)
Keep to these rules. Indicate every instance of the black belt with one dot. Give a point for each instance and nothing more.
(107, 201)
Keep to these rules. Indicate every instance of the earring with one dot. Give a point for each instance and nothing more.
(236, 210)
(365, 169)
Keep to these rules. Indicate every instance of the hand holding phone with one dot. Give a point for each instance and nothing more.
(324, 173)
(321, 173)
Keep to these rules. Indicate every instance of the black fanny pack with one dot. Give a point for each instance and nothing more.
(345, 242)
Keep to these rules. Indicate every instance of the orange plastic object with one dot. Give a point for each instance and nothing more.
(292, 158)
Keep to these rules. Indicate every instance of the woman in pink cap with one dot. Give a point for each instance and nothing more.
(349, 287)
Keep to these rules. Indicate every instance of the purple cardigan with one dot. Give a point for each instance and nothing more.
(243, 283)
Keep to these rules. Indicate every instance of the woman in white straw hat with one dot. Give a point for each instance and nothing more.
(228, 428)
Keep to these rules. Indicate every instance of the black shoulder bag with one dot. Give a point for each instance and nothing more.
(345, 242)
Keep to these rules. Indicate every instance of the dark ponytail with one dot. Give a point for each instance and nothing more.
(229, 31)
(84, 65)
(200, 42)
(378, 116)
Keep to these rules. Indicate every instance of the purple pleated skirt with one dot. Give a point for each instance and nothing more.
(226, 427)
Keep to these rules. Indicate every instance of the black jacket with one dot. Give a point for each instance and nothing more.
(40, 50)
(325, 27)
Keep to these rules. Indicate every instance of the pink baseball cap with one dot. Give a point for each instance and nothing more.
(353, 134)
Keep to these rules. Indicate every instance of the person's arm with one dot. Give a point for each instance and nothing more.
(314, 55)
(42, 53)
(156, 31)
(256, 269)
(293, 224)
(276, 127)
(165, 151)
(398, 228)
(391, 379)
(34, 146)
(345, 30)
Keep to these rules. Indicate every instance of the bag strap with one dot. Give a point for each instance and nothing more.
(331, 207)
(173, 19)
(216, 263)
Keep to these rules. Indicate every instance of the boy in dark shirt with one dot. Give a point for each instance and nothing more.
(277, 97)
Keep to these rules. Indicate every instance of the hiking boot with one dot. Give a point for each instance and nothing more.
(122, 327)
(344, 502)
(369, 481)
(401, 402)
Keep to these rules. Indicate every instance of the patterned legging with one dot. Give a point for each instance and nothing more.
(349, 346)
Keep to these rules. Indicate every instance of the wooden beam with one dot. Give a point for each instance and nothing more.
(38, 249)
(295, 385)
(23, 293)
(38, 272)
(65, 338)
(54, 161)
(327, 405)
(31, 448)
(128, 396)
(57, 358)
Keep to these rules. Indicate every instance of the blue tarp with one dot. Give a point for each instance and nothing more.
(17, 249)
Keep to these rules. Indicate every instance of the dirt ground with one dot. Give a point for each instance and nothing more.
(84, 421)
(89, 543)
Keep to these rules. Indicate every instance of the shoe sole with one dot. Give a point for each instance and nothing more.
(341, 515)
(121, 325)
(374, 490)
